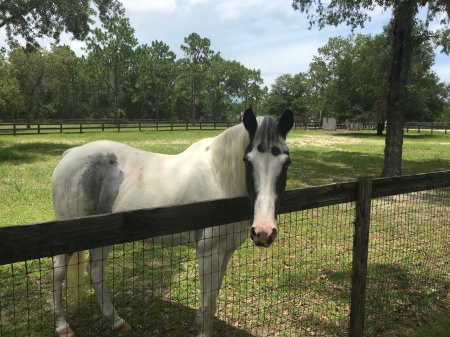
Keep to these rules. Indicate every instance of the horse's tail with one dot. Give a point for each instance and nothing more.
(75, 275)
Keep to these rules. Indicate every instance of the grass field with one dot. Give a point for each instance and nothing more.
(26, 165)
(27, 162)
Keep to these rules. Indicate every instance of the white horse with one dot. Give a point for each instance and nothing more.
(105, 177)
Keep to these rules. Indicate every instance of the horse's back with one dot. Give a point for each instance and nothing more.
(88, 178)
(103, 177)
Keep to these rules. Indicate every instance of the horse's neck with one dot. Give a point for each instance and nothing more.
(227, 152)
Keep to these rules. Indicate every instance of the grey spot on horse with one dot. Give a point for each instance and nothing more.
(261, 148)
(100, 182)
(207, 149)
(276, 151)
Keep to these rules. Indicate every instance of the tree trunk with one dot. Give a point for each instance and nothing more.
(116, 91)
(380, 127)
(402, 47)
(193, 103)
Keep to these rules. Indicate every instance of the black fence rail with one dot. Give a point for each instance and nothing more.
(391, 236)
(83, 126)
(430, 126)
(71, 126)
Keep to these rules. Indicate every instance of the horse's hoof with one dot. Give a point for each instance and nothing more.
(124, 327)
(67, 332)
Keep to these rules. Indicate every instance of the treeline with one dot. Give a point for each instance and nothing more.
(119, 78)
(348, 80)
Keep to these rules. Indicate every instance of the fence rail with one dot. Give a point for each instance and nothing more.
(429, 126)
(71, 126)
(26, 242)
(83, 126)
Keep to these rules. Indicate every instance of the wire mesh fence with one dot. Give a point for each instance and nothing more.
(409, 261)
(300, 286)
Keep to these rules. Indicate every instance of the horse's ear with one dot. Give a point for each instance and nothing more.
(285, 123)
(250, 122)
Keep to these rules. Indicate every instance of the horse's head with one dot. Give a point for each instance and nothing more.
(266, 160)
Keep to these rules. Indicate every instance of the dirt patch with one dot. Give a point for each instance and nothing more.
(325, 141)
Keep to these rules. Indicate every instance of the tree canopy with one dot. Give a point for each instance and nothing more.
(119, 78)
(403, 42)
(34, 19)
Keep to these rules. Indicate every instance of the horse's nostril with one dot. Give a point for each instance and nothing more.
(252, 232)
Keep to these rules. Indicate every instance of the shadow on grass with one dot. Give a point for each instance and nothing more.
(31, 152)
(367, 135)
(312, 168)
(148, 317)
(398, 301)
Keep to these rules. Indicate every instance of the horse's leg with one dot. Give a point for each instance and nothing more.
(212, 265)
(95, 266)
(59, 273)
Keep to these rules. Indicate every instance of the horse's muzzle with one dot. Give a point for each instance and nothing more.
(263, 234)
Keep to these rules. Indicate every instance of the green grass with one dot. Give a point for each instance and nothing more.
(299, 287)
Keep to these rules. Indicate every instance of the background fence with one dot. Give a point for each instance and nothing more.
(83, 126)
(301, 286)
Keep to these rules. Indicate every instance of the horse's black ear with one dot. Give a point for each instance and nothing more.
(286, 122)
(250, 122)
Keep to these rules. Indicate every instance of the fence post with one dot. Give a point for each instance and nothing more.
(14, 129)
(360, 256)
(60, 127)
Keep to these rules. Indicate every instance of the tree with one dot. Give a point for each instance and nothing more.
(44, 77)
(33, 19)
(111, 51)
(354, 79)
(11, 100)
(347, 76)
(156, 71)
(354, 14)
(288, 92)
(197, 60)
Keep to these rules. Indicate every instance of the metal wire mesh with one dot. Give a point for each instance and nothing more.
(300, 286)
(409, 261)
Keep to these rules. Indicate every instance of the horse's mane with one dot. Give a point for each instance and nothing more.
(228, 149)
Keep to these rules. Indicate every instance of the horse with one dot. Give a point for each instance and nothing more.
(103, 177)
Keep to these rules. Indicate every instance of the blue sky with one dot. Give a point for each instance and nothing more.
(260, 34)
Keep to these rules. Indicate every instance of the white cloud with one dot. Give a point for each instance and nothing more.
(149, 5)
(233, 9)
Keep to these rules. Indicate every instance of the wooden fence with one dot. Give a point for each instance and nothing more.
(427, 126)
(32, 241)
(83, 126)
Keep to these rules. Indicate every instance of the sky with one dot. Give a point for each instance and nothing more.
(260, 34)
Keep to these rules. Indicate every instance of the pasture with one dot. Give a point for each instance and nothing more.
(27, 162)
